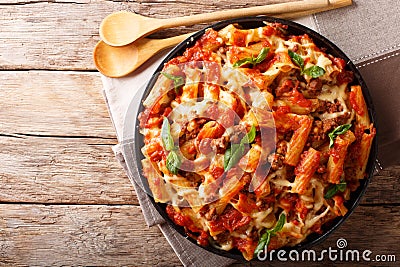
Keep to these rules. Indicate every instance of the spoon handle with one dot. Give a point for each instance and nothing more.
(333, 4)
(146, 48)
(289, 7)
(168, 42)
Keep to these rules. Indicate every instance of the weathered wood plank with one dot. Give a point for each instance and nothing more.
(42, 37)
(53, 103)
(38, 235)
(117, 235)
(384, 187)
(62, 170)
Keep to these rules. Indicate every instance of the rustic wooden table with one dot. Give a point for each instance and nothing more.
(64, 199)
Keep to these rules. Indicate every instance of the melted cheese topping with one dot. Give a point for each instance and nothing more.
(330, 94)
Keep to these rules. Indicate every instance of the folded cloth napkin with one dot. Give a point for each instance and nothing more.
(367, 32)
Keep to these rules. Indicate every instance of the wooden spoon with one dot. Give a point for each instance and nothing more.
(119, 61)
(122, 28)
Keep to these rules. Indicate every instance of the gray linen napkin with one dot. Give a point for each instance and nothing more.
(367, 32)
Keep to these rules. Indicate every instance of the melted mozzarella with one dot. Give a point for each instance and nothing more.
(330, 94)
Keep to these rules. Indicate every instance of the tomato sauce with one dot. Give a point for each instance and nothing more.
(216, 171)
(299, 99)
(231, 219)
(246, 204)
(355, 105)
(247, 245)
(239, 38)
(345, 77)
(186, 222)
(339, 62)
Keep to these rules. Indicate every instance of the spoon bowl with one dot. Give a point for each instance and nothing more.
(122, 28)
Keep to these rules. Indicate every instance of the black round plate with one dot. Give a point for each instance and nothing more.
(132, 149)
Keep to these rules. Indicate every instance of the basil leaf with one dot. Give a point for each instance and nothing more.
(166, 136)
(342, 186)
(173, 162)
(262, 55)
(236, 153)
(253, 61)
(250, 136)
(296, 59)
(263, 242)
(334, 189)
(342, 129)
(331, 192)
(178, 80)
(227, 156)
(242, 62)
(266, 237)
(279, 224)
(337, 131)
(314, 71)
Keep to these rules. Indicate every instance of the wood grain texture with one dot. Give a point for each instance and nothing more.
(53, 103)
(65, 40)
(39, 235)
(116, 235)
(62, 170)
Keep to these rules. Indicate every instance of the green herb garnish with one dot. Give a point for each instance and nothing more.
(178, 80)
(335, 188)
(250, 136)
(253, 60)
(233, 155)
(266, 237)
(173, 161)
(296, 59)
(166, 136)
(236, 151)
(337, 131)
(313, 71)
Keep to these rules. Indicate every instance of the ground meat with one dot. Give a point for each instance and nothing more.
(326, 106)
(317, 132)
(313, 88)
(281, 147)
(329, 124)
(290, 176)
(321, 128)
(192, 129)
(276, 161)
(238, 132)
(284, 87)
(220, 143)
(211, 214)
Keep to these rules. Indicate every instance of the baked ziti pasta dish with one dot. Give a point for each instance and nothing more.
(255, 138)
